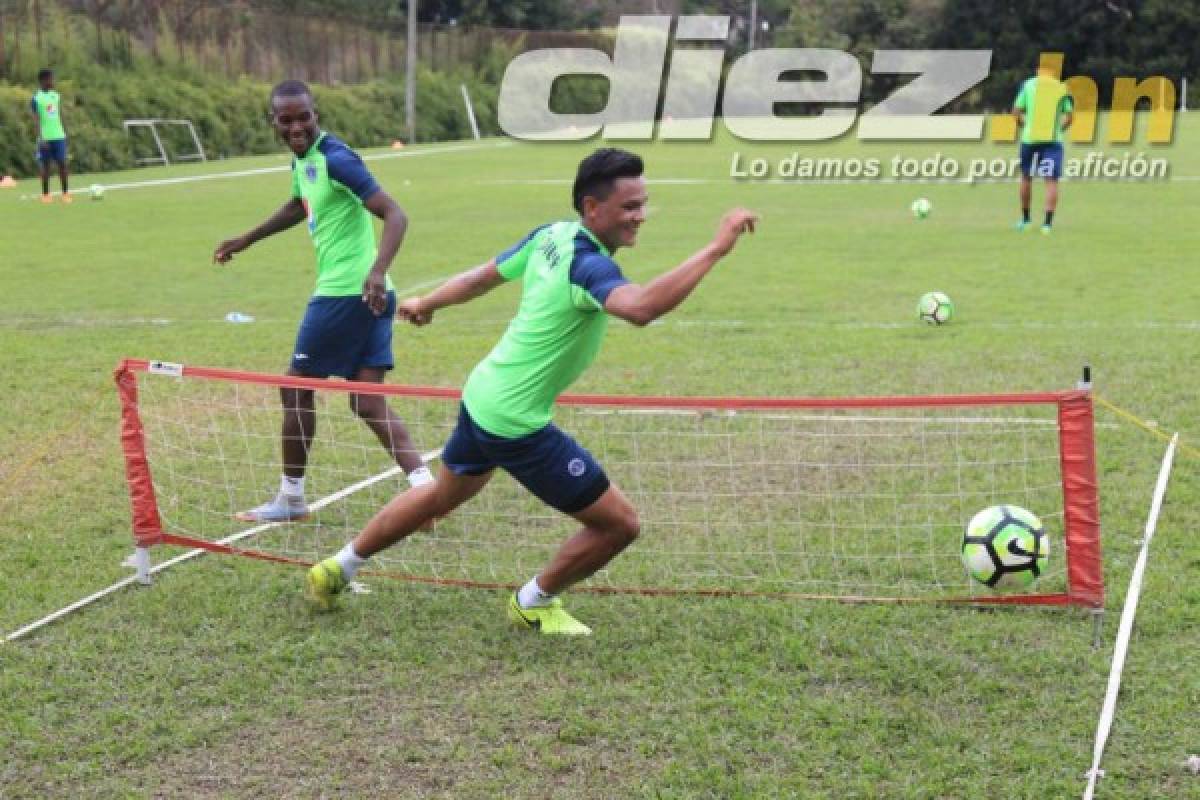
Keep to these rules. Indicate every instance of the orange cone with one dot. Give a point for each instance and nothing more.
(7, 182)
(397, 144)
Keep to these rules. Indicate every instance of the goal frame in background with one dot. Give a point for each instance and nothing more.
(1076, 438)
(164, 157)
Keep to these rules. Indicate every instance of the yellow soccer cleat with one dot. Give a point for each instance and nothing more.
(550, 619)
(325, 582)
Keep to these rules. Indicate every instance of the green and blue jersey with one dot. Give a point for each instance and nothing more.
(332, 182)
(557, 332)
(46, 105)
(1046, 102)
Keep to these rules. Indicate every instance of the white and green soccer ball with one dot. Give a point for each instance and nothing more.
(921, 207)
(96, 191)
(935, 308)
(1005, 547)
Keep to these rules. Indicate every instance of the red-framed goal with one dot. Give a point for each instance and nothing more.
(858, 498)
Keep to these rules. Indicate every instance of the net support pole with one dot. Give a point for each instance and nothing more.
(1097, 614)
(470, 111)
(141, 563)
(1081, 497)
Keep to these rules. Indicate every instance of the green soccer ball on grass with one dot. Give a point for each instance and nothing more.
(935, 308)
(1005, 547)
(921, 208)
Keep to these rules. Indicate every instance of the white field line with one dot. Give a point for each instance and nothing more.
(315, 506)
(245, 173)
(1107, 711)
(78, 322)
(881, 181)
(42, 323)
(727, 322)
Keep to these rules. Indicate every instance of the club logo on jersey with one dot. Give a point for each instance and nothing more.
(576, 467)
(50, 109)
(310, 172)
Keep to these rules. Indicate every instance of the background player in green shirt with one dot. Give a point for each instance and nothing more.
(570, 287)
(347, 327)
(46, 107)
(1044, 111)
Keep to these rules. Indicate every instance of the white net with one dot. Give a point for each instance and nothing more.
(837, 502)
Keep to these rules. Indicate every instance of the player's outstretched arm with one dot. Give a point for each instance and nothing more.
(459, 289)
(395, 224)
(288, 215)
(642, 305)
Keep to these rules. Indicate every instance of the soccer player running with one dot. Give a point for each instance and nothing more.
(46, 107)
(571, 286)
(1044, 110)
(347, 327)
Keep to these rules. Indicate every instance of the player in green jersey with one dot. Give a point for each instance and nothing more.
(1044, 110)
(347, 328)
(46, 107)
(571, 285)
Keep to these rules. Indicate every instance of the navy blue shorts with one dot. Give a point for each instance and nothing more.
(340, 335)
(53, 150)
(1042, 160)
(548, 462)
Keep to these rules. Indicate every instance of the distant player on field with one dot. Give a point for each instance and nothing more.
(347, 328)
(46, 107)
(1044, 111)
(571, 286)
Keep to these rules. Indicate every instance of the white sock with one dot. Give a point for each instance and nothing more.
(420, 477)
(292, 487)
(349, 561)
(532, 596)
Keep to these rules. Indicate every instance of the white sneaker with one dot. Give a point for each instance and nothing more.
(284, 508)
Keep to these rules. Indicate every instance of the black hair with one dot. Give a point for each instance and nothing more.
(45, 73)
(290, 88)
(598, 172)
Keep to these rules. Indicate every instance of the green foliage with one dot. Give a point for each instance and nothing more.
(230, 118)
(1100, 40)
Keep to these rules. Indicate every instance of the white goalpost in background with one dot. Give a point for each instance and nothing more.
(163, 156)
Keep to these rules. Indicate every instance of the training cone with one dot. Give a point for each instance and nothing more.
(397, 145)
(7, 182)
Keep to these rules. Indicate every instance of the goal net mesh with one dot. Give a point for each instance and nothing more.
(856, 498)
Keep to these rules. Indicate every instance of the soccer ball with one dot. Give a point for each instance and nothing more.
(921, 207)
(935, 308)
(96, 191)
(1005, 547)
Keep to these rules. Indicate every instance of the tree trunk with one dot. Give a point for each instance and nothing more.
(3, 63)
(37, 26)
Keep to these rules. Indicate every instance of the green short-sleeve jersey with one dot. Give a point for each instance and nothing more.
(333, 184)
(567, 276)
(46, 104)
(1045, 102)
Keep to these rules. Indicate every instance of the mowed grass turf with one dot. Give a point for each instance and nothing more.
(218, 681)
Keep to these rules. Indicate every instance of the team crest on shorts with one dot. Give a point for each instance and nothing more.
(576, 467)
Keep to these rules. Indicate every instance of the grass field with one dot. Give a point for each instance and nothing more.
(218, 681)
